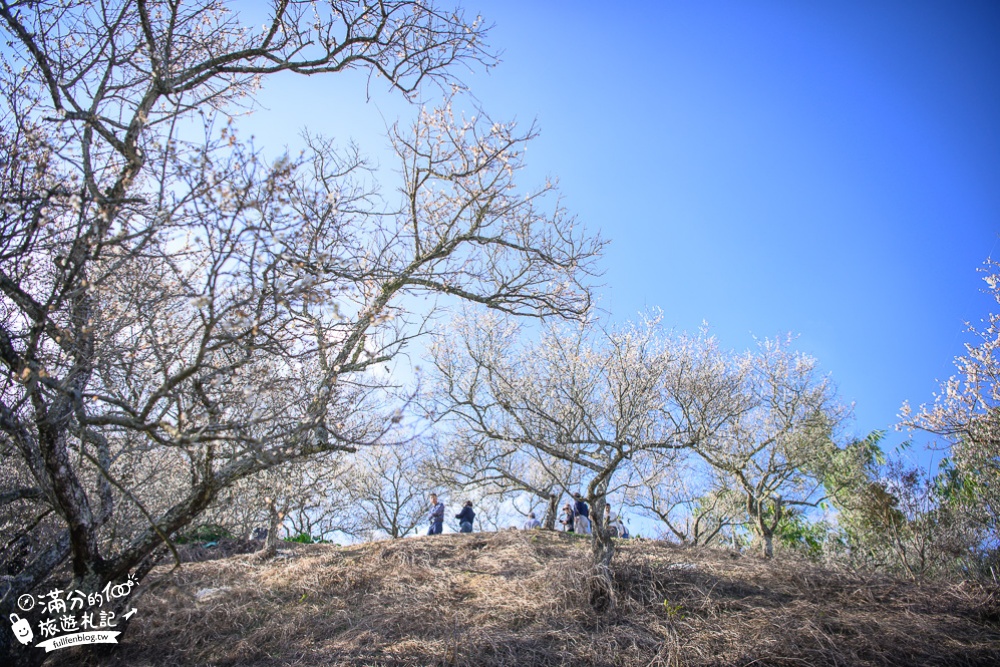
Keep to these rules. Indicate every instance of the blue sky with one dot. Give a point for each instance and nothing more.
(830, 169)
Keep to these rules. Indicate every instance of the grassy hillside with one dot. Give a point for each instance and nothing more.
(517, 598)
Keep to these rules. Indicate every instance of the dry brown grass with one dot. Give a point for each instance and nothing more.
(518, 598)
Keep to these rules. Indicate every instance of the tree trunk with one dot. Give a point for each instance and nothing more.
(11, 651)
(551, 511)
(767, 529)
(768, 540)
(275, 517)
(764, 528)
(602, 592)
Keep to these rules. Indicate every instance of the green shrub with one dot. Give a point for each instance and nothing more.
(306, 538)
(206, 532)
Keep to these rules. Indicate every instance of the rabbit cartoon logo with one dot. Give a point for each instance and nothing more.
(22, 629)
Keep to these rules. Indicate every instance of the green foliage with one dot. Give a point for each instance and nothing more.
(796, 532)
(674, 611)
(850, 468)
(206, 532)
(966, 414)
(956, 486)
(891, 516)
(306, 538)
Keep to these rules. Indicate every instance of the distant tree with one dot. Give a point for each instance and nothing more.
(493, 468)
(595, 399)
(388, 487)
(966, 412)
(894, 517)
(693, 502)
(776, 447)
(319, 505)
(297, 499)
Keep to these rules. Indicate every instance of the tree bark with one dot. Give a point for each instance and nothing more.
(768, 539)
(551, 511)
(602, 593)
(765, 528)
(275, 517)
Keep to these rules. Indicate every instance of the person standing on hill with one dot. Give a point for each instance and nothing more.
(582, 512)
(622, 528)
(466, 517)
(614, 523)
(532, 522)
(436, 516)
(567, 519)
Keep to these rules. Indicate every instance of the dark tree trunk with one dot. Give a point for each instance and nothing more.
(11, 651)
(551, 511)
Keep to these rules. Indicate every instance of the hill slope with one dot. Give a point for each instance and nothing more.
(517, 598)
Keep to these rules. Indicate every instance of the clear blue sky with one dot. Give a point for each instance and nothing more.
(830, 169)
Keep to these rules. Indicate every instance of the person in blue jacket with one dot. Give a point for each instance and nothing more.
(436, 516)
(466, 517)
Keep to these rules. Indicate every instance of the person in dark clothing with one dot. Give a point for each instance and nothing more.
(582, 512)
(567, 519)
(436, 516)
(466, 517)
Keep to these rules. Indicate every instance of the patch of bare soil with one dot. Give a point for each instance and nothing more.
(519, 598)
